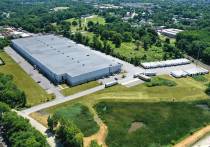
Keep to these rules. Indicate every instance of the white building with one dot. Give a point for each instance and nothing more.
(62, 60)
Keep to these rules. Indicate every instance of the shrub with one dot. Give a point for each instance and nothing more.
(207, 91)
(200, 78)
(157, 81)
(94, 144)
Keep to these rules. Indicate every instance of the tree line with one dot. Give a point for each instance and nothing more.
(66, 131)
(195, 43)
(17, 131)
(10, 93)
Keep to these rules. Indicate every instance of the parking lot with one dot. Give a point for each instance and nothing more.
(130, 70)
(35, 75)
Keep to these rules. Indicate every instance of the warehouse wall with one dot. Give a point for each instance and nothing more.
(43, 69)
(93, 75)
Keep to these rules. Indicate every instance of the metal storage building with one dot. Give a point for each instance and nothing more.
(167, 63)
(62, 60)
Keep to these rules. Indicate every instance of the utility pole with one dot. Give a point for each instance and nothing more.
(198, 56)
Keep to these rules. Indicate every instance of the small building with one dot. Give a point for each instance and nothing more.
(170, 32)
(167, 63)
(179, 74)
(63, 61)
(196, 71)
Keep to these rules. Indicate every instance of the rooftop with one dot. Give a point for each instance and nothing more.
(62, 55)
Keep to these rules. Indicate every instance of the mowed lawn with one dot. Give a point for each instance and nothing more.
(186, 89)
(162, 123)
(35, 94)
(75, 89)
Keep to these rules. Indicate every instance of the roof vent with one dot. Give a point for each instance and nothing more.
(87, 55)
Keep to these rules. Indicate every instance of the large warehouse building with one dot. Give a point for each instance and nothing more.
(62, 60)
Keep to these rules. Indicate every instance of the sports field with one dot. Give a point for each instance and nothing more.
(34, 93)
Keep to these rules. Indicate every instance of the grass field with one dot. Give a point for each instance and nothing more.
(72, 90)
(186, 89)
(163, 123)
(35, 94)
(81, 116)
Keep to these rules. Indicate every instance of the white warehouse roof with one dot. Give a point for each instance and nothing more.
(63, 56)
(166, 63)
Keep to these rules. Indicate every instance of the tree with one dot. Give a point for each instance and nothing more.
(9, 93)
(105, 35)
(69, 134)
(207, 91)
(78, 37)
(167, 40)
(127, 37)
(138, 44)
(74, 23)
(3, 108)
(18, 131)
(90, 24)
(206, 55)
(117, 39)
(97, 43)
(3, 43)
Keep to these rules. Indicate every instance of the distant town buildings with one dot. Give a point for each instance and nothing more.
(14, 33)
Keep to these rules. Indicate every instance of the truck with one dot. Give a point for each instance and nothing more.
(112, 83)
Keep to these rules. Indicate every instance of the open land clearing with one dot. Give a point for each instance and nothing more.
(186, 92)
(34, 93)
(165, 123)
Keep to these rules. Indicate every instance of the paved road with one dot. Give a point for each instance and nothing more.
(62, 100)
(198, 62)
(204, 142)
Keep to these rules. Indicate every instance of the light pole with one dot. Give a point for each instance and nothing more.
(198, 56)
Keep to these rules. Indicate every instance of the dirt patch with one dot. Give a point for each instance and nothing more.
(42, 118)
(135, 126)
(100, 137)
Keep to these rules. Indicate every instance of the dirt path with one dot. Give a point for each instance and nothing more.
(194, 138)
(100, 136)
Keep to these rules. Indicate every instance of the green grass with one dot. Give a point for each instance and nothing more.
(164, 122)
(81, 116)
(200, 78)
(34, 93)
(157, 81)
(79, 88)
(186, 89)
